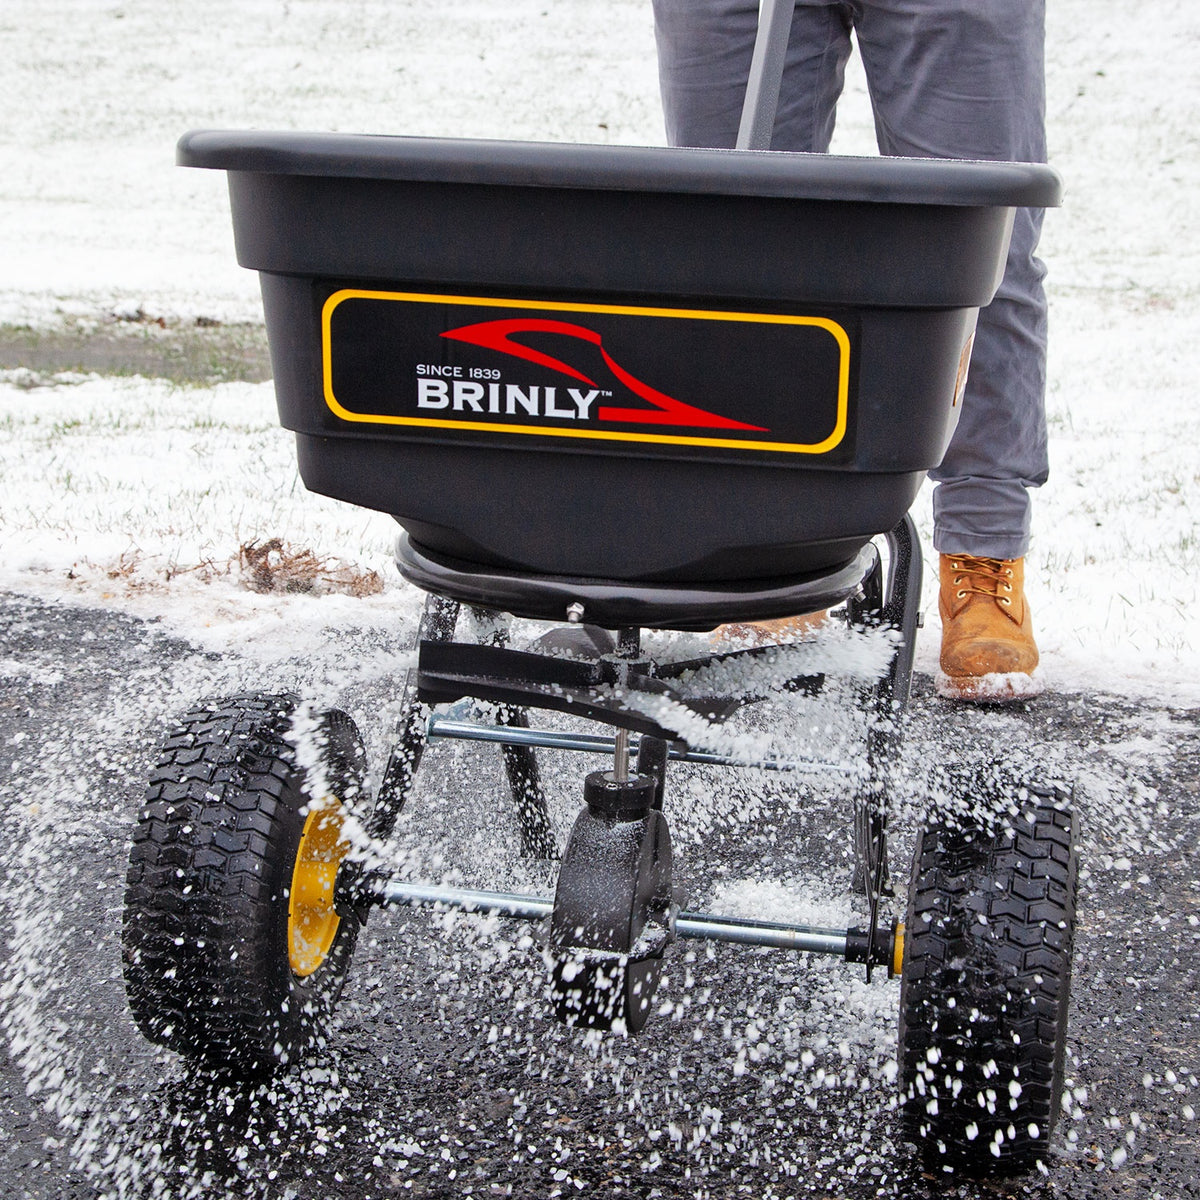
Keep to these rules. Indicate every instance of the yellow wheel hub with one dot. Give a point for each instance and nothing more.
(312, 920)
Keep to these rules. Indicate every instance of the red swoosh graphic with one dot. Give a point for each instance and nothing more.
(496, 335)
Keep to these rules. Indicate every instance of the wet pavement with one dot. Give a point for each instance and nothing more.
(761, 1075)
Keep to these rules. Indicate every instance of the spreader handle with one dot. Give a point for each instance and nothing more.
(766, 74)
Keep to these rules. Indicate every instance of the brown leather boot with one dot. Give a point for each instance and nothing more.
(988, 651)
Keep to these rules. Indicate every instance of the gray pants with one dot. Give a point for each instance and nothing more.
(947, 79)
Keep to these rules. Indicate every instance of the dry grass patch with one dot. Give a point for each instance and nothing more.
(274, 566)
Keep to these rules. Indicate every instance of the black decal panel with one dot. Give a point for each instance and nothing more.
(608, 377)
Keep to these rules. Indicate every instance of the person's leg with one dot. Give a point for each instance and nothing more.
(965, 79)
(704, 53)
(981, 504)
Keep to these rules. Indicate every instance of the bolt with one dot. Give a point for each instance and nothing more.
(621, 757)
(575, 612)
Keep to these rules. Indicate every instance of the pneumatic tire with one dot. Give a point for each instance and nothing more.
(233, 953)
(986, 979)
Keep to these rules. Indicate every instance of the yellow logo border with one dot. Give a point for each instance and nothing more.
(838, 333)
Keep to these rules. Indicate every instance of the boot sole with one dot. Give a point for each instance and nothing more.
(1002, 687)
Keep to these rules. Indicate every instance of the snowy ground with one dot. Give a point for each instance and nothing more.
(138, 495)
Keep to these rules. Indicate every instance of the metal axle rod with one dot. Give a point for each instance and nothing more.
(596, 743)
(851, 944)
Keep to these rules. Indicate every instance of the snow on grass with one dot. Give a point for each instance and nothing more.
(92, 211)
(140, 494)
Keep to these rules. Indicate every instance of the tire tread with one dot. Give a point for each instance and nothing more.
(204, 943)
(986, 980)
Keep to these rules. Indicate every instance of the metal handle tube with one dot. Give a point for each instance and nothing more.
(766, 74)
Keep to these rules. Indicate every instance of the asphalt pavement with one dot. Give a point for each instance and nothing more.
(761, 1075)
